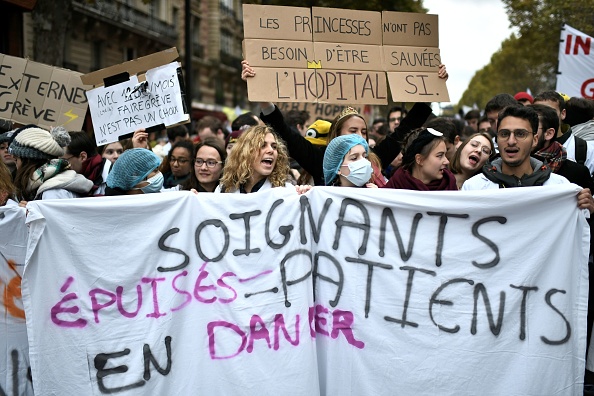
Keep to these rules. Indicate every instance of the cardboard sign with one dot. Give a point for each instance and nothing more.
(34, 93)
(348, 56)
(407, 28)
(280, 22)
(418, 87)
(279, 53)
(346, 26)
(343, 40)
(318, 85)
(142, 101)
(422, 59)
(317, 111)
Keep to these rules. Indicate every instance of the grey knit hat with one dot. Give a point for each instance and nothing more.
(36, 143)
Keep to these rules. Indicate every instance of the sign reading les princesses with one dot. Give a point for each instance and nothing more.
(347, 59)
(341, 65)
(34, 93)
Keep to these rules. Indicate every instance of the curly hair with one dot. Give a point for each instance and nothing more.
(239, 166)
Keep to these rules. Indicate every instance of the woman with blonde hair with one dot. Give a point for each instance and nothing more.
(258, 161)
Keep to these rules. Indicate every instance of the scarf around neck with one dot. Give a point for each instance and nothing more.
(403, 179)
(554, 155)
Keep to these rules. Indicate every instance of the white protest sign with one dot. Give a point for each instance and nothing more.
(122, 108)
(339, 291)
(14, 348)
(576, 64)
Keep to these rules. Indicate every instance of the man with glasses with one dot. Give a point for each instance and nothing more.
(517, 128)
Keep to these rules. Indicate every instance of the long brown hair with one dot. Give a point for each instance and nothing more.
(192, 182)
(7, 188)
(455, 165)
(23, 177)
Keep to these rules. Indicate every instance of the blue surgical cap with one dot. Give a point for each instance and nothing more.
(336, 151)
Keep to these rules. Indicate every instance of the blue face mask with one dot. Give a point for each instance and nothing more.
(154, 185)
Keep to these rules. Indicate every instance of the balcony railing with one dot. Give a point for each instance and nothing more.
(129, 17)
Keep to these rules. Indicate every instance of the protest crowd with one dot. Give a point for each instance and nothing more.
(517, 140)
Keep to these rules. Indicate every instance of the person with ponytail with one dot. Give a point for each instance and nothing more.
(424, 163)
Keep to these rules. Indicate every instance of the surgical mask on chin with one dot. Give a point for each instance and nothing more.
(360, 172)
(154, 185)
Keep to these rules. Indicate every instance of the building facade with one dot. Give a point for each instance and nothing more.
(107, 32)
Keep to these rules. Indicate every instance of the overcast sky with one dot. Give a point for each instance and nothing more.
(470, 32)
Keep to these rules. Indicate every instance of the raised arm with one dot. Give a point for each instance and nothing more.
(300, 149)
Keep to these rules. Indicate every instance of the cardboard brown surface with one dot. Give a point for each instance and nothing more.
(278, 53)
(282, 85)
(408, 28)
(34, 93)
(135, 66)
(337, 25)
(318, 85)
(417, 87)
(317, 111)
(350, 86)
(276, 22)
(11, 75)
(348, 56)
(399, 58)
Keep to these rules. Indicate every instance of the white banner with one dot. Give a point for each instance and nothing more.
(576, 64)
(14, 350)
(122, 108)
(340, 291)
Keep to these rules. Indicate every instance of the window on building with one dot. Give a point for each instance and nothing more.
(97, 56)
(226, 42)
(156, 8)
(129, 53)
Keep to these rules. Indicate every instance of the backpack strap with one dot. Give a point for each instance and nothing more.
(581, 150)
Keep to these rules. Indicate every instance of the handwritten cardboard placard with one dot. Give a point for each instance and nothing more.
(336, 284)
(122, 108)
(423, 59)
(354, 40)
(34, 93)
(318, 85)
(317, 111)
(348, 56)
(410, 29)
(280, 22)
(278, 53)
(336, 25)
(418, 87)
